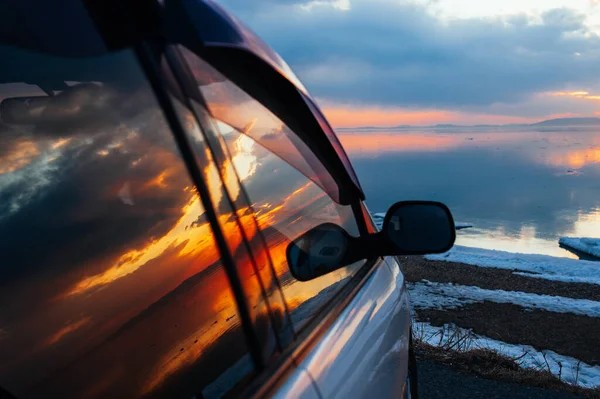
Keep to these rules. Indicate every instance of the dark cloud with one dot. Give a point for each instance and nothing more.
(53, 206)
(398, 54)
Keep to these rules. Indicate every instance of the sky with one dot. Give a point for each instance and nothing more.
(421, 62)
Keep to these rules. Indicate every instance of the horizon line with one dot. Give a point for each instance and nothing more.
(458, 125)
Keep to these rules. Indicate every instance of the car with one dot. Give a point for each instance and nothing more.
(178, 218)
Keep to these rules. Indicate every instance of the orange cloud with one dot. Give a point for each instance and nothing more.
(564, 115)
(22, 153)
(378, 143)
(576, 94)
(344, 117)
(351, 117)
(194, 239)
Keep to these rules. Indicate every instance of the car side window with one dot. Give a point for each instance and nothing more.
(255, 280)
(287, 186)
(111, 284)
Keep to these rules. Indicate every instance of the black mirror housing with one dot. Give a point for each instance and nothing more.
(418, 228)
(319, 251)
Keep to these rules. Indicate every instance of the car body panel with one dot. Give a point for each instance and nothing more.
(299, 384)
(365, 352)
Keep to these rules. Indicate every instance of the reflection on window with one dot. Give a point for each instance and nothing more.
(234, 107)
(110, 281)
(252, 271)
(288, 187)
(287, 204)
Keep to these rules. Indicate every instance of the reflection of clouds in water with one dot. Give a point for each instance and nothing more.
(575, 159)
(524, 241)
(587, 224)
(499, 181)
(557, 149)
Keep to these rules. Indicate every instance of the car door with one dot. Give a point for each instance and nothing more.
(364, 353)
(111, 281)
(351, 326)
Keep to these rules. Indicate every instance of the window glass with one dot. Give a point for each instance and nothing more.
(111, 284)
(252, 272)
(287, 204)
(284, 200)
(232, 106)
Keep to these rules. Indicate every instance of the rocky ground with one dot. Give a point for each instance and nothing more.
(575, 333)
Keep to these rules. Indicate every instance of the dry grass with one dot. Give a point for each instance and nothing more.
(455, 349)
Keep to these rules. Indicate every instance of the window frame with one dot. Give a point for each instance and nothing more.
(149, 54)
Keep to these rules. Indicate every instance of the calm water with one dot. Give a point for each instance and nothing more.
(521, 190)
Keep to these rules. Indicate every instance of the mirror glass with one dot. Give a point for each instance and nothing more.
(318, 251)
(419, 227)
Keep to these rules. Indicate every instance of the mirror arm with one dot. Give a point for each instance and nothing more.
(368, 247)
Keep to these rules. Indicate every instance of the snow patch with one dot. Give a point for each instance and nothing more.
(590, 246)
(440, 296)
(573, 371)
(537, 266)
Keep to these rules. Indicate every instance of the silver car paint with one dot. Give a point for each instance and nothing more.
(298, 385)
(365, 352)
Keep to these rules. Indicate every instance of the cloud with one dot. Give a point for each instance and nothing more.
(60, 191)
(341, 116)
(387, 53)
(241, 6)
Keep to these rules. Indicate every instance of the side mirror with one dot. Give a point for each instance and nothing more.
(418, 228)
(318, 251)
(409, 228)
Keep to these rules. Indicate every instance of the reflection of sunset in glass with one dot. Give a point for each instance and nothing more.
(18, 156)
(114, 285)
(283, 208)
(143, 259)
(68, 329)
(243, 160)
(175, 359)
(195, 237)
